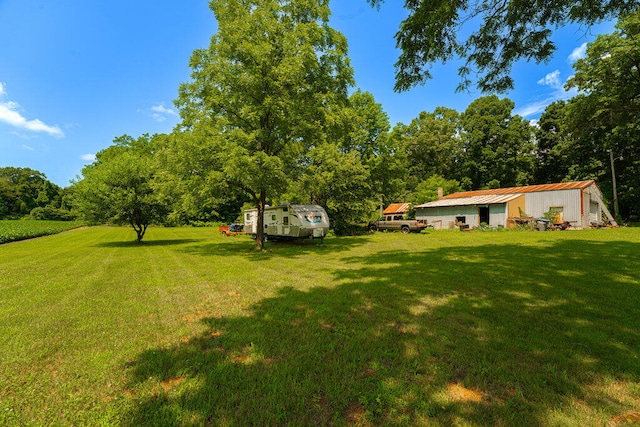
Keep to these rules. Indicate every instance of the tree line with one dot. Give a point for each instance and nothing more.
(27, 192)
(271, 115)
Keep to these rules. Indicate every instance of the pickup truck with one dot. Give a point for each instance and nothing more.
(395, 223)
(231, 230)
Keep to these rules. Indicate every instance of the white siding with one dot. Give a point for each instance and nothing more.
(445, 217)
(537, 204)
(498, 215)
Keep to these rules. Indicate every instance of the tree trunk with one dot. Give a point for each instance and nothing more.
(260, 226)
(140, 230)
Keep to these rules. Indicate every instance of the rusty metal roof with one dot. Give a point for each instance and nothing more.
(397, 208)
(490, 199)
(526, 189)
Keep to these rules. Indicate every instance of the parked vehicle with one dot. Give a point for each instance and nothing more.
(231, 230)
(287, 222)
(397, 223)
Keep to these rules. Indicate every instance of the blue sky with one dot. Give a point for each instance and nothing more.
(75, 74)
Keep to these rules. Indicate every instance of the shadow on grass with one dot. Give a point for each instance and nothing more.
(295, 248)
(506, 335)
(147, 243)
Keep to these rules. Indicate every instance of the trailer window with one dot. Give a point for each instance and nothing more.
(310, 217)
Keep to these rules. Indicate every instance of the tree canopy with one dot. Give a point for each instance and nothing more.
(269, 86)
(498, 33)
(24, 191)
(119, 186)
(267, 118)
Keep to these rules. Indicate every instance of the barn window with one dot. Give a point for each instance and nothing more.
(461, 219)
(285, 220)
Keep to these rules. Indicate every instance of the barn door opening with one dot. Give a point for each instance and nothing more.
(483, 213)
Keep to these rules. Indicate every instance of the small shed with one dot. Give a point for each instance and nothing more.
(397, 210)
(580, 203)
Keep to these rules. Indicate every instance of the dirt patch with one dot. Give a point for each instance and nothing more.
(459, 393)
(171, 383)
(357, 416)
(628, 418)
(240, 359)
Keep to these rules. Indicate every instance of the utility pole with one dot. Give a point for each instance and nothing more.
(613, 180)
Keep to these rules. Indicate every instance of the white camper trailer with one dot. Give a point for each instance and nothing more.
(286, 221)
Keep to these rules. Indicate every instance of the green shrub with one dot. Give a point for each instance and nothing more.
(52, 214)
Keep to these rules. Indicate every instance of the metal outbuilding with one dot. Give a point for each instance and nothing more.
(580, 203)
(397, 209)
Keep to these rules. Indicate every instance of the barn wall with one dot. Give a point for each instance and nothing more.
(538, 204)
(498, 215)
(517, 205)
(445, 217)
(592, 210)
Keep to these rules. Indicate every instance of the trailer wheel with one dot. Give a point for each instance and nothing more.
(224, 233)
(373, 228)
(405, 229)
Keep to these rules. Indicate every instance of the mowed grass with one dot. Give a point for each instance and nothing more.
(442, 328)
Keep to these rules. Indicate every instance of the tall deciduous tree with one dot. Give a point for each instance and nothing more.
(498, 33)
(498, 146)
(119, 186)
(606, 114)
(433, 144)
(368, 135)
(338, 181)
(553, 142)
(274, 77)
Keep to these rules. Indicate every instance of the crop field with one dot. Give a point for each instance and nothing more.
(440, 328)
(13, 230)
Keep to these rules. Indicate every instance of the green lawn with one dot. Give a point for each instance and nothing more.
(441, 328)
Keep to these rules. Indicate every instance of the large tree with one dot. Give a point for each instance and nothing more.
(606, 114)
(272, 81)
(553, 145)
(498, 146)
(368, 135)
(339, 182)
(433, 145)
(118, 187)
(491, 35)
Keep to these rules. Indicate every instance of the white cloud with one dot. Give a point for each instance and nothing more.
(28, 148)
(558, 94)
(552, 79)
(88, 157)
(578, 53)
(10, 115)
(160, 112)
